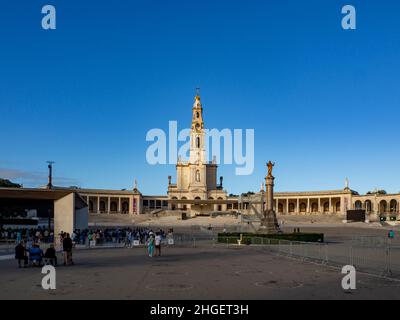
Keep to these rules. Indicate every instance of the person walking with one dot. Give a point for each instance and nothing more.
(150, 245)
(20, 254)
(158, 243)
(19, 236)
(67, 248)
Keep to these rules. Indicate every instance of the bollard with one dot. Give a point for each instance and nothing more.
(351, 258)
(326, 254)
(388, 271)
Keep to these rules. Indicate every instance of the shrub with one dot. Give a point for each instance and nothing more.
(254, 238)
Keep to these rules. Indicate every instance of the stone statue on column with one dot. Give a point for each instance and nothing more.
(269, 223)
(270, 166)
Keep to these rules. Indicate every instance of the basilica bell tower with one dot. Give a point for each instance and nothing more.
(197, 159)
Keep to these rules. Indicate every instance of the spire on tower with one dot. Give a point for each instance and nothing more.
(197, 103)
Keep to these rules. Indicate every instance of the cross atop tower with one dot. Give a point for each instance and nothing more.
(197, 92)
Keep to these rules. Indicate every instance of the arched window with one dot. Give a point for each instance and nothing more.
(113, 207)
(197, 114)
(314, 207)
(383, 206)
(368, 205)
(184, 207)
(198, 142)
(102, 206)
(173, 206)
(393, 206)
(125, 207)
(198, 176)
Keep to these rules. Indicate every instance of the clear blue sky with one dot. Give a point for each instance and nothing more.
(324, 102)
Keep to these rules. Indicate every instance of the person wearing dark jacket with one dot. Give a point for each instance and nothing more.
(20, 254)
(67, 248)
(50, 256)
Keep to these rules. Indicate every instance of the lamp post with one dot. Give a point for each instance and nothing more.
(50, 176)
(49, 186)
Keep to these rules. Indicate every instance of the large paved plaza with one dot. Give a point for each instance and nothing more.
(190, 273)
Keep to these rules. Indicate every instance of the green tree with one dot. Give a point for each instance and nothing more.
(377, 192)
(5, 183)
(248, 193)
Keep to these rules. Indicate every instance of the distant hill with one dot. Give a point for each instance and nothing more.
(5, 183)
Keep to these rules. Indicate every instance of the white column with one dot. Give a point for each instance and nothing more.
(308, 205)
(130, 205)
(108, 205)
(342, 205)
(297, 206)
(287, 206)
(330, 205)
(119, 205)
(98, 204)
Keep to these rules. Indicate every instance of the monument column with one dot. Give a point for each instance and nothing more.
(269, 223)
(269, 184)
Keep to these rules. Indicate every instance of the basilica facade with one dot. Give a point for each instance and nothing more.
(196, 179)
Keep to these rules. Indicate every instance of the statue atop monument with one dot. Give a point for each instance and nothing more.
(346, 184)
(270, 166)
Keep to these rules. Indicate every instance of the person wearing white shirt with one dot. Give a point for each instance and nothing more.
(158, 243)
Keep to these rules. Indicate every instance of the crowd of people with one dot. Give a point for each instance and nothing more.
(37, 235)
(127, 236)
(34, 256)
(28, 251)
(31, 254)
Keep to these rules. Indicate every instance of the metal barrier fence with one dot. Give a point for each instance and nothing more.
(383, 260)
